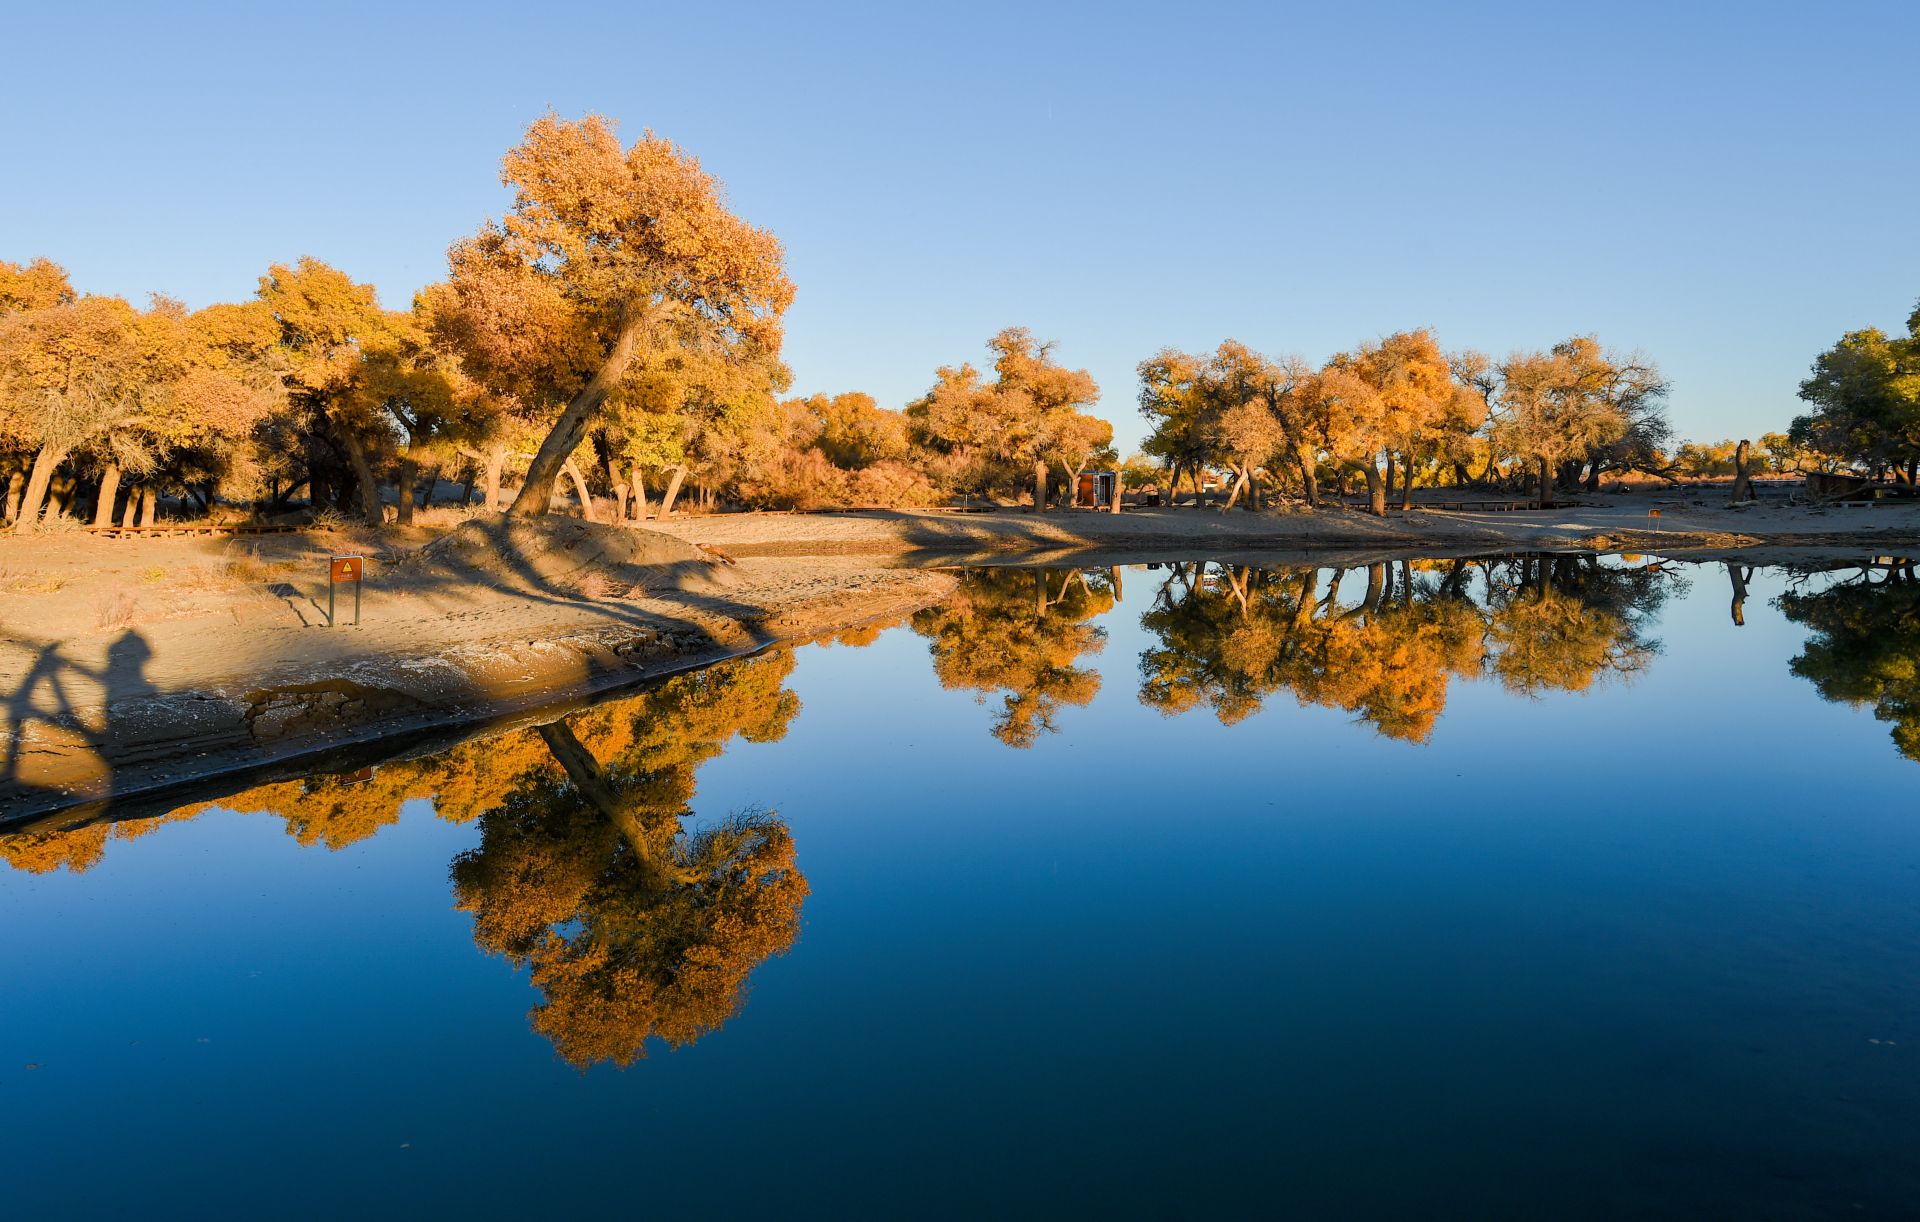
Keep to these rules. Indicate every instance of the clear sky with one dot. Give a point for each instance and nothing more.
(1727, 187)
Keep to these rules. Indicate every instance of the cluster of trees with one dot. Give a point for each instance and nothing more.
(617, 334)
(1400, 411)
(1864, 394)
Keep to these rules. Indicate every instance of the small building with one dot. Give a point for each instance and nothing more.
(1094, 489)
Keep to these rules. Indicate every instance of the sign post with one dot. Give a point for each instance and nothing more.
(343, 569)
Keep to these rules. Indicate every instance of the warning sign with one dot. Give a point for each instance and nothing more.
(346, 568)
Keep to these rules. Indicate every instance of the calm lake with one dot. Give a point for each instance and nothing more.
(1512, 888)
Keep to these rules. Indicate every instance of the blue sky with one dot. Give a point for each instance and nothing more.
(1725, 187)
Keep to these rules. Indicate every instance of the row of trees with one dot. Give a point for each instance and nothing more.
(1402, 409)
(617, 333)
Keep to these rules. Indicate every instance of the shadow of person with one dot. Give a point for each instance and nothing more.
(125, 677)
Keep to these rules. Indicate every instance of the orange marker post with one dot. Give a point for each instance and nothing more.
(343, 569)
(1653, 518)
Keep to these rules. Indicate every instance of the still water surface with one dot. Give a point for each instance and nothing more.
(1516, 888)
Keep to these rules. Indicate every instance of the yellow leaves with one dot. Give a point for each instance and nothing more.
(36, 285)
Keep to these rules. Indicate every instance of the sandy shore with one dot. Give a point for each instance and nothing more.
(132, 667)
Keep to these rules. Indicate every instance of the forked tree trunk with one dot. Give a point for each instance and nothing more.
(1309, 475)
(1738, 577)
(565, 436)
(673, 491)
(1742, 486)
(363, 471)
(109, 493)
(403, 492)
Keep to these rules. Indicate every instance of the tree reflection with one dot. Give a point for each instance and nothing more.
(1864, 647)
(1019, 634)
(1229, 637)
(632, 926)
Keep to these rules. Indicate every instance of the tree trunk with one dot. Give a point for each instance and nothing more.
(572, 471)
(1546, 483)
(15, 481)
(1739, 579)
(565, 436)
(1039, 487)
(403, 492)
(1742, 486)
(673, 491)
(1461, 476)
(37, 480)
(1239, 483)
(149, 504)
(1119, 480)
(1406, 484)
(1376, 491)
(109, 493)
(1389, 474)
(639, 487)
(363, 470)
(1309, 476)
(131, 515)
(496, 464)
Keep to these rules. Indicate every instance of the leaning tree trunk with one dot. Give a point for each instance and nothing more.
(1376, 491)
(572, 471)
(12, 506)
(565, 436)
(1742, 486)
(363, 471)
(109, 493)
(149, 505)
(131, 515)
(673, 491)
(37, 481)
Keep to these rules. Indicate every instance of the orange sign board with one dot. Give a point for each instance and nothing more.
(345, 568)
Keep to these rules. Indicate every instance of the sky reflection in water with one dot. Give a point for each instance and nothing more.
(1517, 887)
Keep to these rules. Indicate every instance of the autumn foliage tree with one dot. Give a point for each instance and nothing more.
(614, 265)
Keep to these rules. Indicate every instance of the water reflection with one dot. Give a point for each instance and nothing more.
(634, 926)
(1864, 647)
(1021, 634)
(1231, 636)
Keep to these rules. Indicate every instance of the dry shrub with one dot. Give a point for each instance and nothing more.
(448, 516)
(58, 524)
(590, 584)
(894, 485)
(114, 608)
